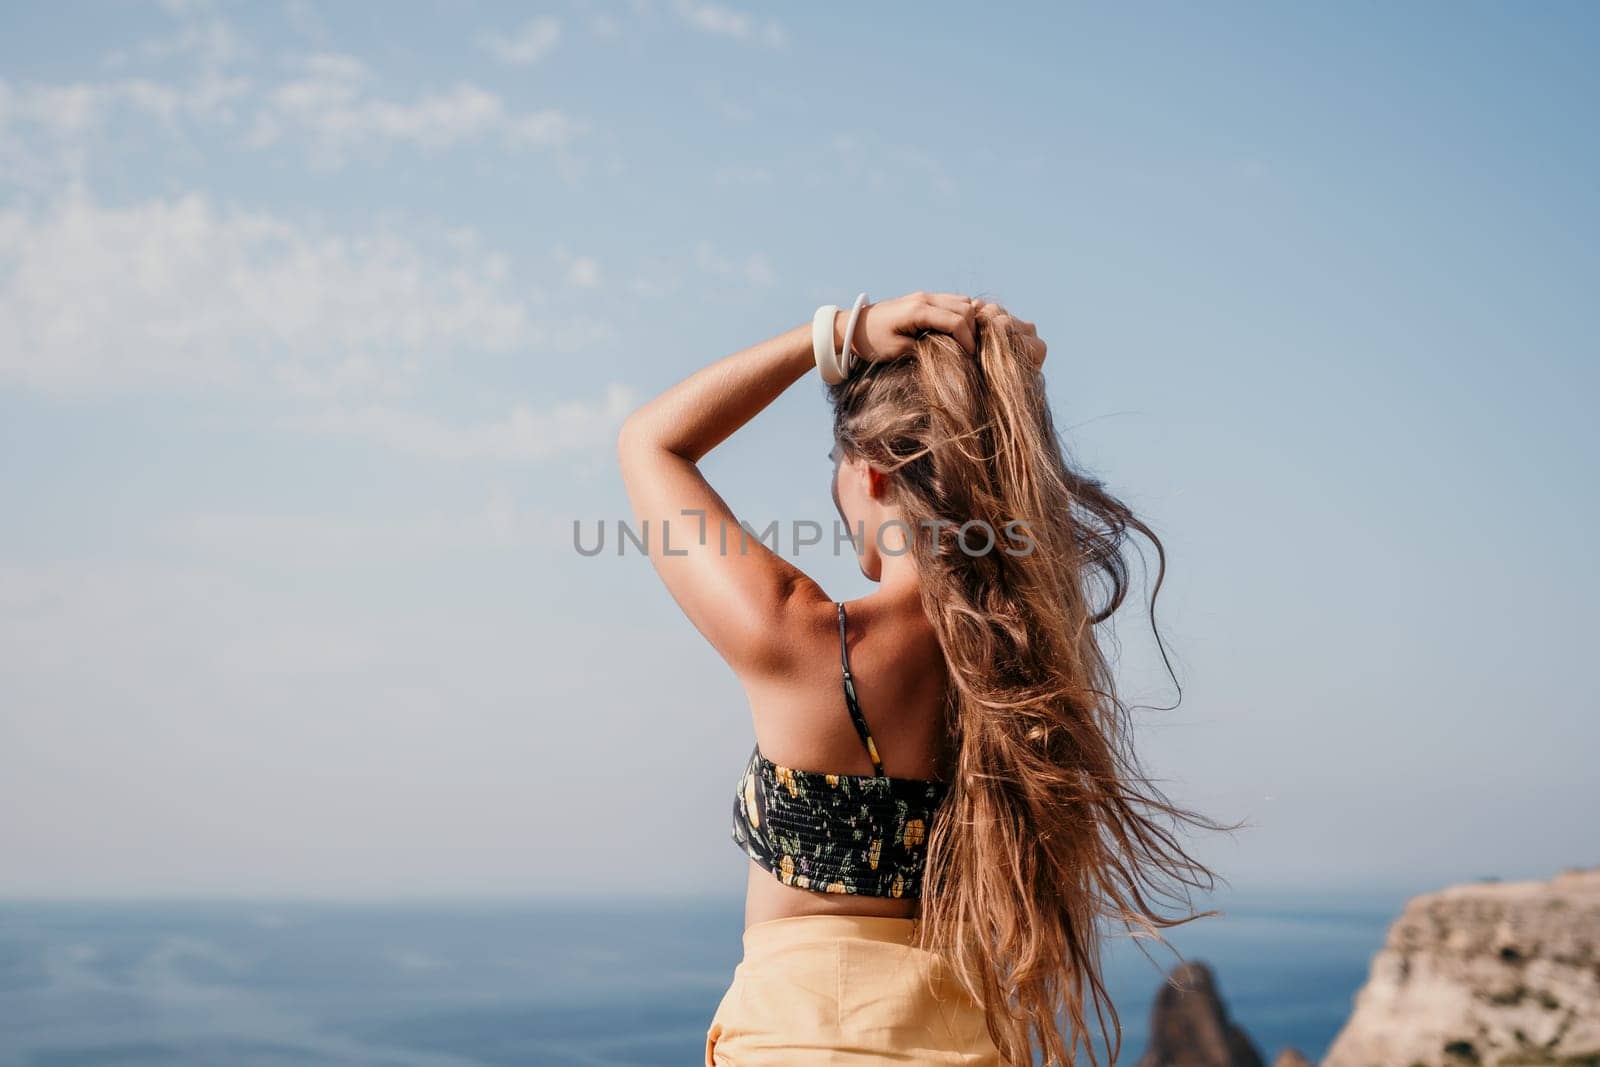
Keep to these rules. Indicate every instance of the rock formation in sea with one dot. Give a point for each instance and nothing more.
(1487, 974)
(1189, 1025)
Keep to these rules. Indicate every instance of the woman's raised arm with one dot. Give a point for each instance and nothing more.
(736, 590)
(739, 593)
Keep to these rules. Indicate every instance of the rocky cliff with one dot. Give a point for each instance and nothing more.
(1190, 1027)
(1490, 974)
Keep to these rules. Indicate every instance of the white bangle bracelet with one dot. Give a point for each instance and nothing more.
(822, 344)
(847, 357)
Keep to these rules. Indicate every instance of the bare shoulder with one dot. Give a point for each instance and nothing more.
(815, 636)
(898, 672)
(800, 619)
(889, 640)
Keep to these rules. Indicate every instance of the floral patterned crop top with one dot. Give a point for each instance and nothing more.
(837, 833)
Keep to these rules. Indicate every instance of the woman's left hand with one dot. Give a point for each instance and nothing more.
(996, 317)
(888, 330)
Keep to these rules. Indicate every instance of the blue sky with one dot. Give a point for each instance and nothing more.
(316, 324)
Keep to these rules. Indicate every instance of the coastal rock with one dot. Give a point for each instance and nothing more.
(1189, 1025)
(1484, 974)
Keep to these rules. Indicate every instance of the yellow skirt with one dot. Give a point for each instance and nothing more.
(844, 989)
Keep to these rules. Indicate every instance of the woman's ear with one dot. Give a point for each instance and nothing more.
(877, 483)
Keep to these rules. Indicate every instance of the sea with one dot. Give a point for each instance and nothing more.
(589, 982)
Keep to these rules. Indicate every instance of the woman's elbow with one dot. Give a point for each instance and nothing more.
(632, 435)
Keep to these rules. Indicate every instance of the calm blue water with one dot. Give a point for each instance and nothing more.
(453, 984)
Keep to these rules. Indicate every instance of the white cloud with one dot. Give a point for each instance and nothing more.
(182, 290)
(527, 44)
(664, 275)
(549, 128)
(581, 271)
(525, 434)
(49, 129)
(333, 105)
(756, 269)
(725, 21)
(200, 33)
(77, 109)
(584, 271)
(306, 20)
(330, 107)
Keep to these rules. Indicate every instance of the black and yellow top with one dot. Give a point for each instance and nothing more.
(837, 833)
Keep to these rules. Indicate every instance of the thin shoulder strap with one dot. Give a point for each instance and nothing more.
(850, 701)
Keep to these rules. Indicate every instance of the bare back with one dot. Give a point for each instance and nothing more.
(801, 721)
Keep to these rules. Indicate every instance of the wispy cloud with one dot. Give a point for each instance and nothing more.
(525, 434)
(584, 272)
(329, 105)
(661, 276)
(604, 25)
(581, 271)
(94, 297)
(754, 269)
(70, 109)
(333, 103)
(525, 45)
(727, 22)
(201, 33)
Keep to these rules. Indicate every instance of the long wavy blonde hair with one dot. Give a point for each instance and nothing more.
(1049, 827)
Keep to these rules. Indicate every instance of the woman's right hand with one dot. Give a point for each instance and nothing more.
(888, 330)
